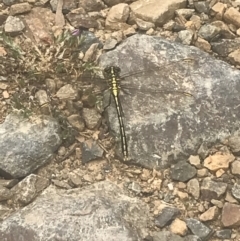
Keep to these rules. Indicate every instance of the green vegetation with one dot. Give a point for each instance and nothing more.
(27, 65)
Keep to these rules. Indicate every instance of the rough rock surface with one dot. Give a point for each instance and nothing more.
(27, 142)
(99, 212)
(165, 127)
(36, 72)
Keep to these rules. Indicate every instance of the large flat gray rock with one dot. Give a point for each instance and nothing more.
(162, 128)
(98, 212)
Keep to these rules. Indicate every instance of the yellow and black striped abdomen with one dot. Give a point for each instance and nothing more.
(112, 73)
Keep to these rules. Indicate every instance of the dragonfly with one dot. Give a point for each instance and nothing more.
(115, 84)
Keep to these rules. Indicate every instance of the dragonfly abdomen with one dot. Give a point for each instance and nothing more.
(112, 73)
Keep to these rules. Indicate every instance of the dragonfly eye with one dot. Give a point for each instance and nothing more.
(116, 69)
(112, 69)
(107, 70)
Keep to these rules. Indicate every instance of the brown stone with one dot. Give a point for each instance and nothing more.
(231, 215)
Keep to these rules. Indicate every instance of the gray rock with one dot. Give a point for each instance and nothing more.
(185, 37)
(167, 215)
(42, 97)
(203, 150)
(110, 44)
(91, 151)
(204, 18)
(217, 203)
(4, 211)
(183, 171)
(162, 128)
(169, 25)
(234, 143)
(14, 25)
(91, 5)
(185, 12)
(192, 238)
(27, 143)
(88, 100)
(212, 190)
(135, 187)
(111, 3)
(61, 184)
(198, 228)
(193, 188)
(83, 20)
(202, 7)
(168, 198)
(166, 236)
(148, 238)
(8, 183)
(89, 39)
(9, 2)
(3, 18)
(208, 32)
(27, 189)
(5, 194)
(62, 151)
(236, 191)
(144, 25)
(67, 92)
(77, 122)
(75, 180)
(235, 168)
(92, 118)
(224, 234)
(68, 5)
(225, 32)
(95, 213)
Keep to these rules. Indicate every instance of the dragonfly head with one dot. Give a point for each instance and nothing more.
(112, 70)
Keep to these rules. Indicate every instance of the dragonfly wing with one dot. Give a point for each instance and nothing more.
(129, 89)
(173, 78)
(157, 68)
